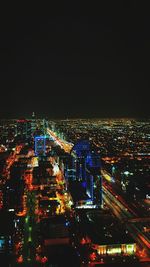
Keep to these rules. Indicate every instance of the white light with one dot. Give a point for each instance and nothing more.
(126, 172)
(86, 207)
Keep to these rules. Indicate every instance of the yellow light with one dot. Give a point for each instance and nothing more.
(116, 250)
(130, 248)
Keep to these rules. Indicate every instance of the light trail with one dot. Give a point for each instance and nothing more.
(62, 143)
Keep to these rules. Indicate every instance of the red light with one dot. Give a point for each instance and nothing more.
(38, 258)
(93, 256)
(83, 241)
(22, 121)
(20, 259)
(44, 259)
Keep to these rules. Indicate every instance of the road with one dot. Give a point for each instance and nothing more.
(62, 143)
(30, 229)
(123, 212)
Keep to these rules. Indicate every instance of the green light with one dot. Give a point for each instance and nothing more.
(130, 248)
(26, 219)
(29, 239)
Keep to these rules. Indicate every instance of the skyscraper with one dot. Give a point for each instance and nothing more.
(33, 123)
(40, 145)
(88, 167)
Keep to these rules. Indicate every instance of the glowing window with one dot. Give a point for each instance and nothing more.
(130, 248)
(114, 250)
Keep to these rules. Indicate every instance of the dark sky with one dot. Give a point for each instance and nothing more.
(73, 61)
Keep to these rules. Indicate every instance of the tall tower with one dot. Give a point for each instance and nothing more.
(80, 151)
(93, 166)
(40, 145)
(33, 123)
(88, 168)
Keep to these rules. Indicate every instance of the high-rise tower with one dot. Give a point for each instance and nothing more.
(88, 166)
(33, 123)
(40, 145)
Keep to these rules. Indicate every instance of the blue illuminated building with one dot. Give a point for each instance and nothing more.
(81, 149)
(40, 145)
(88, 166)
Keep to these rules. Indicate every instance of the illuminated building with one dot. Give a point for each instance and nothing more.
(88, 166)
(40, 145)
(33, 123)
(93, 166)
(115, 249)
(80, 151)
(107, 238)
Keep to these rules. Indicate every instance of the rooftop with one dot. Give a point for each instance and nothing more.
(105, 229)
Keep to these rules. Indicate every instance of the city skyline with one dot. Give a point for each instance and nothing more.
(74, 192)
(75, 62)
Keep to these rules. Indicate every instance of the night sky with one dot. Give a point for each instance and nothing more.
(75, 61)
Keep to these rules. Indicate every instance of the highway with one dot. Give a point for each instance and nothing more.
(123, 212)
(27, 257)
(62, 143)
